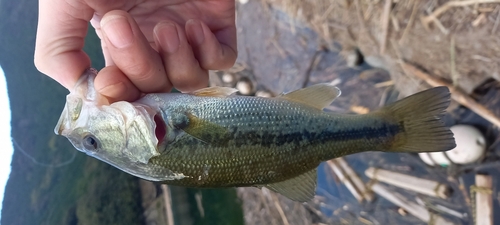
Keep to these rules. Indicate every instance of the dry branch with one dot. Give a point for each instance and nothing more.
(407, 182)
(411, 207)
(484, 199)
(457, 94)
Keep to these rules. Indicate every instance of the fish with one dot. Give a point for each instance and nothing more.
(213, 138)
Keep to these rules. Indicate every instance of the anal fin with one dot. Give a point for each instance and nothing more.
(301, 188)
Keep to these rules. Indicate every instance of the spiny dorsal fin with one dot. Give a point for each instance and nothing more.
(301, 188)
(318, 96)
(214, 92)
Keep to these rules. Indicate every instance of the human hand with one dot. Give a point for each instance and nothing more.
(148, 45)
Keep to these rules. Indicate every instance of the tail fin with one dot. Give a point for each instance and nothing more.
(420, 115)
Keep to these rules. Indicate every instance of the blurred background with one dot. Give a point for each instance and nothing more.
(375, 51)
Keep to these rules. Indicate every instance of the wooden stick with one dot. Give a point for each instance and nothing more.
(358, 183)
(349, 185)
(484, 200)
(419, 185)
(411, 207)
(280, 210)
(440, 208)
(457, 94)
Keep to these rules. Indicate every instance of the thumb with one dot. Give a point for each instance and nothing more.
(60, 38)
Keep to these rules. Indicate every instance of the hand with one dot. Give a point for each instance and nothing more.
(148, 45)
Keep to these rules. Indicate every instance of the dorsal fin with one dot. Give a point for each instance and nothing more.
(301, 188)
(318, 96)
(214, 92)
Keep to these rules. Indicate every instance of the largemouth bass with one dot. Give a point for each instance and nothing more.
(213, 138)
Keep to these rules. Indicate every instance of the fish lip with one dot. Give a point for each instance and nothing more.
(61, 125)
(83, 89)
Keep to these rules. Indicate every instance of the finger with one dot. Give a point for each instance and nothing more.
(115, 85)
(60, 38)
(184, 71)
(215, 50)
(96, 23)
(131, 52)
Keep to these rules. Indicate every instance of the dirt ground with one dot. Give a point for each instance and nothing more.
(285, 45)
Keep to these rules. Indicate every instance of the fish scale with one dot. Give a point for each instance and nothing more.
(213, 138)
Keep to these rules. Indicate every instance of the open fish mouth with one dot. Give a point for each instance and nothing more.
(83, 93)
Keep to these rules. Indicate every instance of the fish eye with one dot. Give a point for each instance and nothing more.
(90, 143)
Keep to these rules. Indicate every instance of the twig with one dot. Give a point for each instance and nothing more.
(410, 22)
(484, 200)
(345, 180)
(434, 15)
(411, 207)
(395, 23)
(495, 26)
(481, 18)
(280, 210)
(454, 75)
(384, 84)
(265, 197)
(362, 22)
(349, 172)
(419, 185)
(199, 203)
(440, 208)
(168, 204)
(457, 94)
(327, 12)
(461, 187)
(385, 24)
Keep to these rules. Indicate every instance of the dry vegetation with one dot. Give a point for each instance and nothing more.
(456, 40)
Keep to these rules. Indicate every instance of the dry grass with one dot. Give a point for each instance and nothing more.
(419, 32)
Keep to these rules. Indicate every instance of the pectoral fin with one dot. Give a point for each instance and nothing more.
(301, 188)
(215, 92)
(203, 130)
(318, 96)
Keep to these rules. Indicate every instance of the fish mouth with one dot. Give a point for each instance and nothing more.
(82, 93)
(62, 125)
(160, 128)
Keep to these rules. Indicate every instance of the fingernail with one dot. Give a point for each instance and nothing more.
(167, 35)
(197, 32)
(118, 31)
